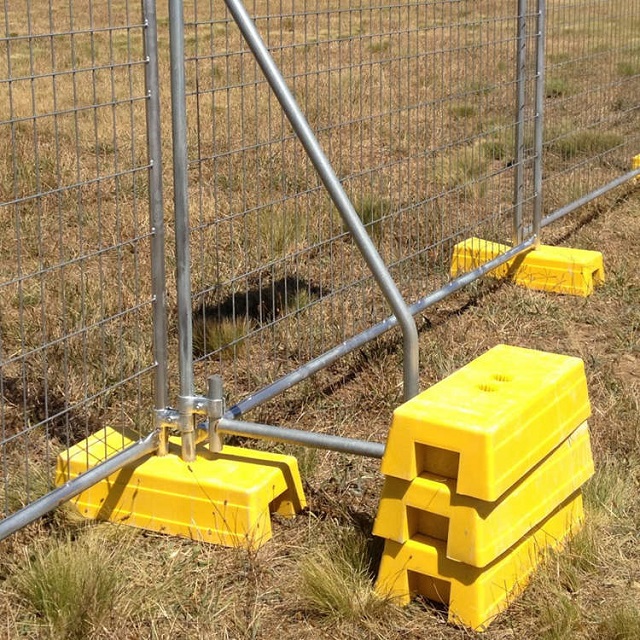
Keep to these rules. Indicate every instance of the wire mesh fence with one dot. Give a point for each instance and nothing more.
(414, 105)
(426, 111)
(591, 96)
(76, 306)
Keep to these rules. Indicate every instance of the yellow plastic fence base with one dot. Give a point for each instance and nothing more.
(490, 422)
(474, 596)
(477, 532)
(545, 268)
(635, 164)
(224, 498)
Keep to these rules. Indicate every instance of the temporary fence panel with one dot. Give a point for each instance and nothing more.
(429, 113)
(415, 105)
(592, 106)
(76, 331)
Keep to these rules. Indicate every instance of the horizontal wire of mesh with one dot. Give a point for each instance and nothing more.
(592, 104)
(414, 104)
(75, 314)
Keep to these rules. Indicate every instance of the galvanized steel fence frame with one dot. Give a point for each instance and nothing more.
(395, 149)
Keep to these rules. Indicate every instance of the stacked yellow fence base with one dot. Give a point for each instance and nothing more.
(558, 269)
(484, 475)
(224, 498)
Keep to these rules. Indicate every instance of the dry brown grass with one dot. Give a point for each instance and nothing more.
(587, 592)
(260, 218)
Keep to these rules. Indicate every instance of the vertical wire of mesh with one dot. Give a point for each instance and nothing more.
(76, 332)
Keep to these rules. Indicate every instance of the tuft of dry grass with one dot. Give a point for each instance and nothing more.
(226, 336)
(71, 588)
(335, 579)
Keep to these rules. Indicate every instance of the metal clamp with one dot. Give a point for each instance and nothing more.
(211, 407)
(215, 411)
(165, 420)
(188, 408)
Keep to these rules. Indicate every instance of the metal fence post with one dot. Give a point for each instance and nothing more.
(518, 195)
(181, 204)
(541, 33)
(156, 213)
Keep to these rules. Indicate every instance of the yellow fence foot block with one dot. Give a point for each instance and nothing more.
(477, 532)
(473, 596)
(490, 422)
(635, 164)
(224, 498)
(559, 269)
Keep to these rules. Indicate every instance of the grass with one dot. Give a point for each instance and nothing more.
(587, 142)
(621, 623)
(372, 212)
(464, 169)
(335, 577)
(628, 69)
(426, 168)
(70, 587)
(463, 111)
(556, 87)
(225, 336)
(315, 578)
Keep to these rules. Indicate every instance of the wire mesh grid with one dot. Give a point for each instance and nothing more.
(413, 103)
(592, 109)
(75, 315)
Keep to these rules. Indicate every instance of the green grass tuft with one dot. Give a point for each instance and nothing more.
(628, 69)
(71, 587)
(462, 110)
(585, 142)
(621, 623)
(335, 580)
(556, 87)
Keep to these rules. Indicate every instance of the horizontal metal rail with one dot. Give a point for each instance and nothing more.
(589, 197)
(55, 498)
(586, 199)
(326, 359)
(304, 438)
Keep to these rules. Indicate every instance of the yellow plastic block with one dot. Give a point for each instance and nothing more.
(635, 164)
(545, 268)
(490, 422)
(477, 532)
(223, 498)
(474, 596)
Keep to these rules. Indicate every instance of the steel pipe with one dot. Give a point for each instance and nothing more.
(521, 70)
(181, 205)
(156, 214)
(55, 498)
(304, 438)
(541, 35)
